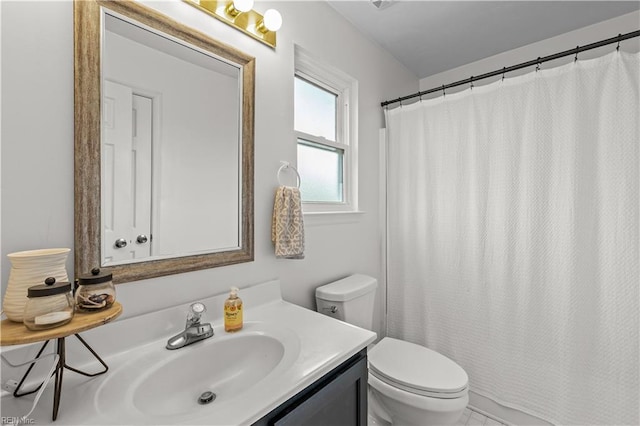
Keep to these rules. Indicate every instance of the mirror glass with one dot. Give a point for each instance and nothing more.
(171, 145)
(164, 144)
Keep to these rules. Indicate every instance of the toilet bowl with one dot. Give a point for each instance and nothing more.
(409, 384)
(413, 385)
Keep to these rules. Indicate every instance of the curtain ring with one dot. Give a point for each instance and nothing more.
(503, 71)
(443, 92)
(420, 94)
(471, 83)
(538, 64)
(618, 47)
(576, 58)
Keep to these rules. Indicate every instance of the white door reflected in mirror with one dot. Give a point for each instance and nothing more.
(126, 165)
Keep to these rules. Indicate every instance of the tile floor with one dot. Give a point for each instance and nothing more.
(474, 418)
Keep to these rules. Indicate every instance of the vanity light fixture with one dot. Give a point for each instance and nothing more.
(240, 15)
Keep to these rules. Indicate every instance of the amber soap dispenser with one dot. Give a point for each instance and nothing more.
(233, 311)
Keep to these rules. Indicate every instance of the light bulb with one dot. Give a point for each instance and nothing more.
(272, 20)
(243, 5)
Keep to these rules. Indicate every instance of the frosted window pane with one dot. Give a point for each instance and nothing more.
(315, 110)
(320, 171)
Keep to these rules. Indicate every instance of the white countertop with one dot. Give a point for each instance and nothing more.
(317, 344)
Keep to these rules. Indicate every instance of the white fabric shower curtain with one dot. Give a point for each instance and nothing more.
(513, 237)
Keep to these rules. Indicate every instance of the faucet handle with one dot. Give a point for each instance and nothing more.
(197, 309)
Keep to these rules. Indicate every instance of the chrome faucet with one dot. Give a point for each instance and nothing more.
(194, 331)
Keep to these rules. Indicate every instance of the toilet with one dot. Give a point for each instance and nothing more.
(409, 384)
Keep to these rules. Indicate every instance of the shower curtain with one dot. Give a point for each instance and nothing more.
(513, 237)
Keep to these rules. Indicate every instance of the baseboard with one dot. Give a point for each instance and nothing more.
(502, 414)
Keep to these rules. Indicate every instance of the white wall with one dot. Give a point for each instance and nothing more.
(580, 37)
(1, 263)
(37, 145)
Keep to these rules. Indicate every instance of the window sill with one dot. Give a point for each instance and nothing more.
(334, 217)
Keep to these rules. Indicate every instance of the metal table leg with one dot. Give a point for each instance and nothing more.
(59, 370)
(16, 392)
(58, 382)
(95, 355)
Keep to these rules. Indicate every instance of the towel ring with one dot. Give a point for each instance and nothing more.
(286, 165)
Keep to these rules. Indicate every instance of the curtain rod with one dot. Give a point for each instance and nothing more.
(540, 60)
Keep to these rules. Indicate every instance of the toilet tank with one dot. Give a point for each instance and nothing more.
(350, 299)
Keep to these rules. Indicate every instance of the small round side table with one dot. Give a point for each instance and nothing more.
(15, 333)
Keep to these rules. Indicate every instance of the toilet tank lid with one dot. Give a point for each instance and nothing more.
(347, 288)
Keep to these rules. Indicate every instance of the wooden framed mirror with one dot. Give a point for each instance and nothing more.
(195, 172)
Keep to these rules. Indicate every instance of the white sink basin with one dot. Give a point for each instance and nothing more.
(160, 385)
(226, 367)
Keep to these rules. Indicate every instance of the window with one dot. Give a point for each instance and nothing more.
(325, 135)
(322, 168)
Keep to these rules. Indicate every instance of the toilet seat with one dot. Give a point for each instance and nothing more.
(417, 369)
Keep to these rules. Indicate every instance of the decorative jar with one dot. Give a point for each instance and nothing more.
(95, 292)
(49, 305)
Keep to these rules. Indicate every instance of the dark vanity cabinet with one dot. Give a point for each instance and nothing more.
(338, 398)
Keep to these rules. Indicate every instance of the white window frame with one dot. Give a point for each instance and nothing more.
(346, 89)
